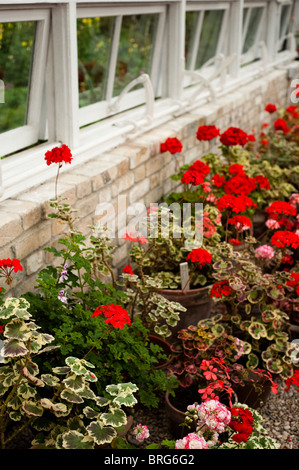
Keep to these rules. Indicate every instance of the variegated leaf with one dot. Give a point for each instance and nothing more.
(100, 433)
(32, 409)
(49, 405)
(115, 418)
(13, 348)
(17, 329)
(76, 440)
(75, 383)
(71, 396)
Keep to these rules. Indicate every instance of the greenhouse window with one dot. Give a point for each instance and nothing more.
(284, 26)
(23, 51)
(113, 51)
(253, 32)
(205, 39)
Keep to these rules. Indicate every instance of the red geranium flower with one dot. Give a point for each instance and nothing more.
(262, 181)
(115, 314)
(234, 136)
(2, 328)
(236, 169)
(295, 282)
(128, 270)
(172, 145)
(292, 110)
(294, 380)
(218, 180)
(207, 132)
(283, 238)
(220, 289)
(240, 185)
(251, 138)
(235, 242)
(271, 108)
(58, 155)
(192, 177)
(234, 203)
(281, 207)
(201, 256)
(241, 222)
(281, 125)
(200, 167)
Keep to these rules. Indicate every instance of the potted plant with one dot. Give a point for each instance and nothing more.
(253, 313)
(175, 264)
(60, 408)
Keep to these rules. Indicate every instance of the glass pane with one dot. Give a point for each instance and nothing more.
(190, 29)
(94, 36)
(209, 36)
(16, 48)
(284, 27)
(283, 18)
(253, 26)
(135, 50)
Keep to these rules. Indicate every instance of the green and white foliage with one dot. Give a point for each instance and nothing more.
(61, 407)
(145, 301)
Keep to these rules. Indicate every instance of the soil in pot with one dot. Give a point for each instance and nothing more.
(198, 303)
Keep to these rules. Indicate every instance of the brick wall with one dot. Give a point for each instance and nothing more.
(135, 172)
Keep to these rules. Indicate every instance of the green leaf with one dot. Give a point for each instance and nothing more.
(257, 330)
(100, 433)
(17, 329)
(50, 380)
(61, 370)
(71, 396)
(115, 418)
(90, 413)
(14, 348)
(49, 405)
(256, 295)
(76, 440)
(128, 400)
(253, 361)
(75, 383)
(32, 409)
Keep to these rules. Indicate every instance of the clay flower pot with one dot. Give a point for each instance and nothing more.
(255, 392)
(198, 303)
(176, 416)
(166, 349)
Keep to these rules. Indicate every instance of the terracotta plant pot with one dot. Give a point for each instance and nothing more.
(255, 392)
(166, 349)
(258, 223)
(175, 415)
(198, 303)
(174, 406)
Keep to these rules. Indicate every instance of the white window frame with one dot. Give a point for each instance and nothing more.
(209, 68)
(24, 136)
(103, 109)
(286, 33)
(254, 52)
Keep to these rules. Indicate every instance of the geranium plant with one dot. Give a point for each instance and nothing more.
(253, 302)
(61, 407)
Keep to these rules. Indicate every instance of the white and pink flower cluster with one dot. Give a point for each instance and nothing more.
(214, 415)
(192, 441)
(265, 252)
(141, 432)
(212, 418)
